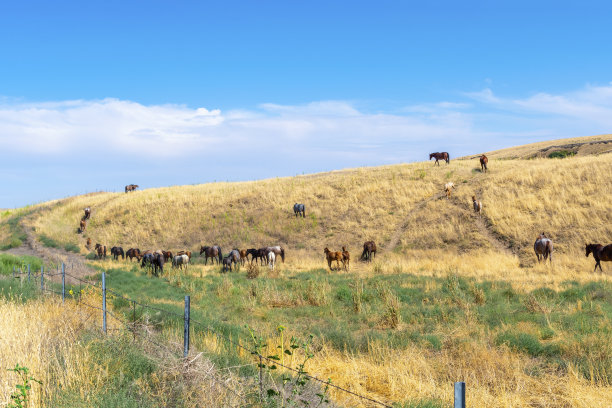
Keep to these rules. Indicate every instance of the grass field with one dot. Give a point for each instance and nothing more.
(451, 295)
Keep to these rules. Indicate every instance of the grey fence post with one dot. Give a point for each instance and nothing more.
(459, 395)
(63, 283)
(186, 327)
(13, 271)
(42, 274)
(28, 273)
(104, 301)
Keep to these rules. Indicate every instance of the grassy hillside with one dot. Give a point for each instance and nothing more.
(451, 295)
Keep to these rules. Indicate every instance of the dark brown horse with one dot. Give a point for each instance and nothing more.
(346, 258)
(600, 253)
(439, 156)
(131, 187)
(213, 252)
(369, 251)
(483, 163)
(87, 213)
(332, 256)
(117, 252)
(133, 253)
(101, 250)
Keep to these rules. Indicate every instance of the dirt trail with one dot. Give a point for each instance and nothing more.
(485, 227)
(76, 265)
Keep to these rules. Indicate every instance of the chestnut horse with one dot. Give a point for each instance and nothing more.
(133, 253)
(440, 156)
(82, 226)
(346, 258)
(369, 251)
(131, 187)
(332, 256)
(101, 250)
(600, 253)
(477, 205)
(543, 247)
(483, 163)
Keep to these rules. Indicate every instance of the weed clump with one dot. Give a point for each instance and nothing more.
(252, 271)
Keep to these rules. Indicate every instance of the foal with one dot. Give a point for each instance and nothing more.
(477, 205)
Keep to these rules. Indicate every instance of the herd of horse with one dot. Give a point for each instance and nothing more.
(543, 246)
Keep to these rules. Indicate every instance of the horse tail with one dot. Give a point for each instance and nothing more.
(447, 158)
(220, 255)
(283, 254)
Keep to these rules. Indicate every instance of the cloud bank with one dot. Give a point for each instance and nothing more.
(276, 140)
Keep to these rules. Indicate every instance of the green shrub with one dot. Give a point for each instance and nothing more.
(70, 247)
(561, 154)
(48, 242)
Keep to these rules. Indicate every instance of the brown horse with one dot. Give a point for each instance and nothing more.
(439, 156)
(88, 243)
(188, 253)
(167, 256)
(346, 258)
(243, 256)
(448, 188)
(543, 247)
(332, 256)
(101, 250)
(82, 226)
(87, 213)
(483, 163)
(133, 253)
(600, 253)
(131, 187)
(369, 251)
(213, 252)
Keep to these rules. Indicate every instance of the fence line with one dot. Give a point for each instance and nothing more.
(459, 387)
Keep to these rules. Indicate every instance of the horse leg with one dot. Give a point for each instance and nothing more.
(598, 263)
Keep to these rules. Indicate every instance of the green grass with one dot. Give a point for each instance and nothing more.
(48, 242)
(8, 262)
(16, 236)
(561, 154)
(567, 326)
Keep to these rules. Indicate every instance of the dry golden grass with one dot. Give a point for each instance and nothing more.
(418, 231)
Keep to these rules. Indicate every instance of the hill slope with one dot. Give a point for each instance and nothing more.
(401, 207)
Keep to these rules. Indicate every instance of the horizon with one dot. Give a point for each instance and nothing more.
(96, 96)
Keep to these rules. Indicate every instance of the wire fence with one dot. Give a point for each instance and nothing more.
(188, 322)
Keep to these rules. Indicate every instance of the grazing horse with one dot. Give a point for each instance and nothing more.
(82, 226)
(131, 187)
(369, 251)
(332, 256)
(278, 250)
(448, 187)
(271, 259)
(234, 256)
(440, 156)
(483, 163)
(346, 258)
(168, 256)
(180, 261)
(543, 246)
(133, 253)
(116, 252)
(188, 253)
(88, 243)
(227, 264)
(477, 205)
(600, 253)
(154, 261)
(254, 252)
(299, 209)
(101, 250)
(213, 252)
(87, 213)
(243, 256)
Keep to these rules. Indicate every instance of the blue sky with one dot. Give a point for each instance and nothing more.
(95, 95)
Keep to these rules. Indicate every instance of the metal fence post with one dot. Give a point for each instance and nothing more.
(28, 273)
(459, 395)
(63, 283)
(104, 301)
(13, 271)
(134, 319)
(186, 327)
(42, 274)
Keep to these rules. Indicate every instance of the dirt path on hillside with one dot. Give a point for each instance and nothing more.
(76, 265)
(484, 224)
